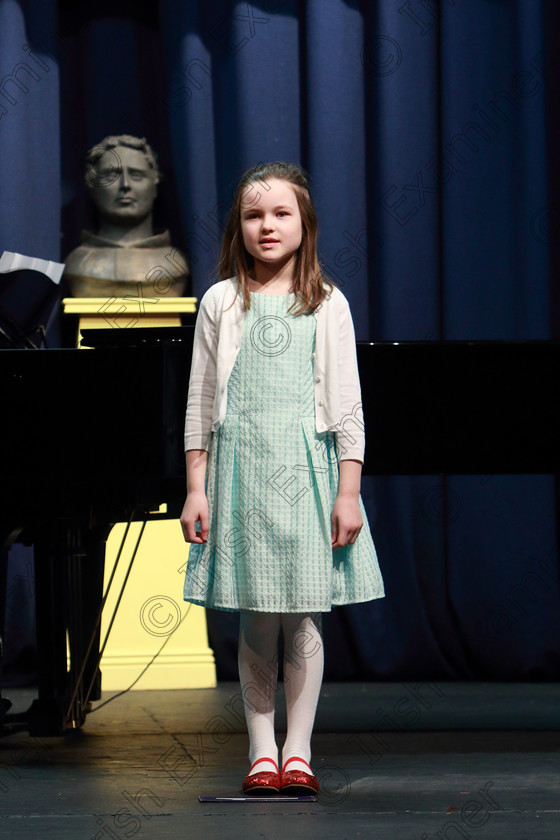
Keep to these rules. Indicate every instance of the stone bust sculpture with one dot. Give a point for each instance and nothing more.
(124, 257)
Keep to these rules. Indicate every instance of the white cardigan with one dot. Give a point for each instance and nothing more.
(217, 339)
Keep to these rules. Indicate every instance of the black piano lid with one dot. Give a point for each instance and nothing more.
(467, 407)
(96, 427)
(470, 407)
(117, 337)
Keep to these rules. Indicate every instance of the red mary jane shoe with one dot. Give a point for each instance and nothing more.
(297, 782)
(262, 783)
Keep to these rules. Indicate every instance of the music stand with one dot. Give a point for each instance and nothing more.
(29, 297)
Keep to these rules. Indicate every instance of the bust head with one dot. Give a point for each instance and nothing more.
(124, 255)
(122, 176)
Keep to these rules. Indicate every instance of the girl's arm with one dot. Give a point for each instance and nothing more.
(195, 508)
(203, 376)
(198, 420)
(350, 439)
(346, 519)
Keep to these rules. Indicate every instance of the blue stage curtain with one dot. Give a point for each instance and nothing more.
(429, 130)
(422, 126)
(111, 83)
(30, 146)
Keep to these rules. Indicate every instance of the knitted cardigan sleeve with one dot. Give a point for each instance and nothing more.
(202, 381)
(350, 439)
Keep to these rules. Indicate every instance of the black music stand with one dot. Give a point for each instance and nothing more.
(28, 305)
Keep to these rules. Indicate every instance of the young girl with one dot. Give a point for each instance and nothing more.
(274, 448)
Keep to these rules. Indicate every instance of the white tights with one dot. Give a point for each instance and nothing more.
(258, 673)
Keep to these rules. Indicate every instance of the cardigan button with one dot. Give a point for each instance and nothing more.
(317, 379)
(320, 403)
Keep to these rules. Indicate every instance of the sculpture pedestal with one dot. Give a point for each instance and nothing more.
(127, 312)
(152, 619)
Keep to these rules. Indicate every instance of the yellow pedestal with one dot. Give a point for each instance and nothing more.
(152, 619)
(127, 312)
(152, 615)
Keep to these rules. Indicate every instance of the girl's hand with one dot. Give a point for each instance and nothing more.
(346, 521)
(195, 510)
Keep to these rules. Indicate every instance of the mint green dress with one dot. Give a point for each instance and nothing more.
(271, 483)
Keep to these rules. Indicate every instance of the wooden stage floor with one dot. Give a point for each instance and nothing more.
(463, 761)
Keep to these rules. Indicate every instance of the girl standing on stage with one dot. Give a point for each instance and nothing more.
(274, 449)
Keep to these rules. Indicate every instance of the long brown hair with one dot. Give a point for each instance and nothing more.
(235, 261)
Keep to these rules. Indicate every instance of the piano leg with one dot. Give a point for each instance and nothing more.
(92, 571)
(8, 535)
(85, 578)
(69, 559)
(4, 704)
(47, 713)
(69, 566)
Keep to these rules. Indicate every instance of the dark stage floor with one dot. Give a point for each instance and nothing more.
(139, 764)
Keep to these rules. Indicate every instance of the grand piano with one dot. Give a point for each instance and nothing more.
(71, 466)
(89, 438)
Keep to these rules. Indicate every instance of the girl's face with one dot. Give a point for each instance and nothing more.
(271, 222)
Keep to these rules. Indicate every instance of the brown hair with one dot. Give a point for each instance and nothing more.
(235, 261)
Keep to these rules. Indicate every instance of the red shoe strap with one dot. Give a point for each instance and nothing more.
(296, 758)
(258, 761)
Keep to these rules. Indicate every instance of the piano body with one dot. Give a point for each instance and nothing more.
(460, 407)
(91, 438)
